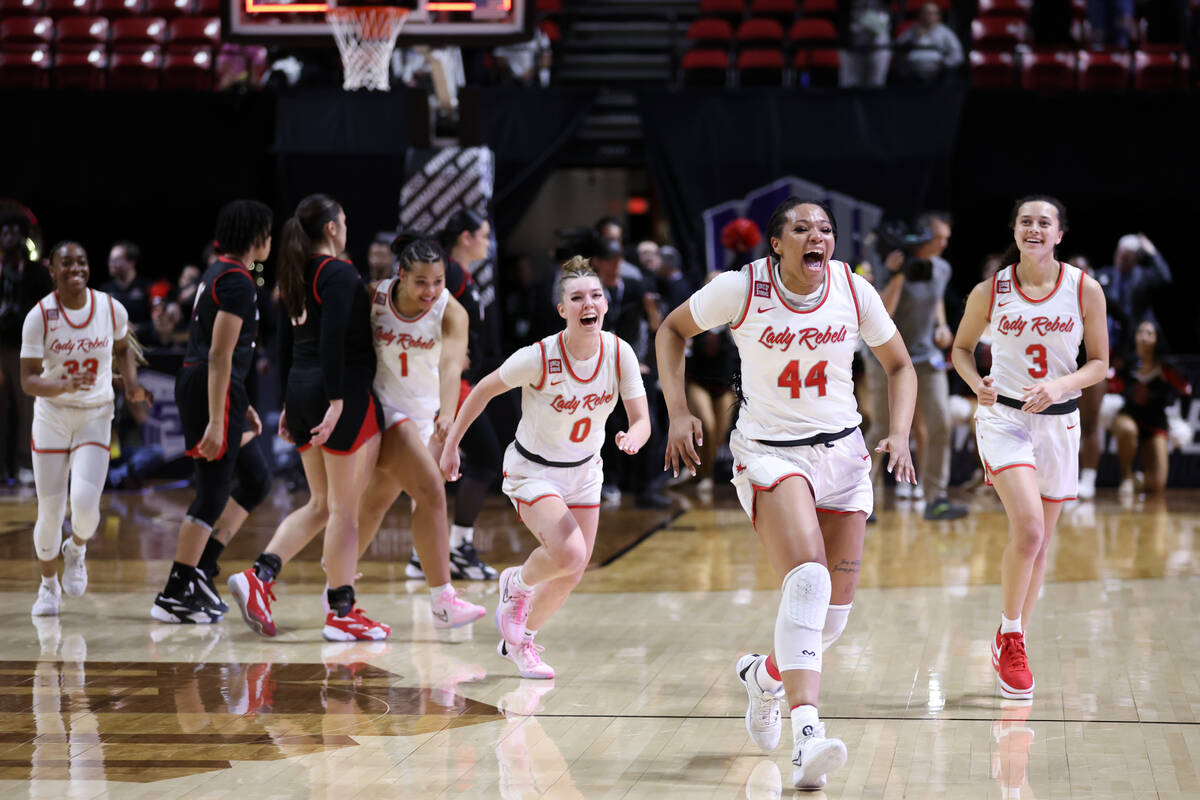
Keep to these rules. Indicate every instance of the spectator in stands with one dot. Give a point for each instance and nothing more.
(1112, 22)
(673, 287)
(928, 50)
(381, 264)
(1137, 269)
(1090, 400)
(649, 258)
(608, 228)
(528, 62)
(1149, 386)
(22, 283)
(912, 290)
(864, 30)
(129, 288)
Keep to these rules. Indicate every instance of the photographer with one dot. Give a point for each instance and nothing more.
(1138, 268)
(912, 286)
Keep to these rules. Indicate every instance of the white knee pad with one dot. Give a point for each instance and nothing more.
(85, 509)
(47, 531)
(802, 611)
(835, 623)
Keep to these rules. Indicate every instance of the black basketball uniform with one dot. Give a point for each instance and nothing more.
(327, 354)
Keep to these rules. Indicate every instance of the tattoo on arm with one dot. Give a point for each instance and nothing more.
(845, 565)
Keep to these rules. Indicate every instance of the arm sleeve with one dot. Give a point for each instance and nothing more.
(121, 321)
(876, 326)
(33, 334)
(524, 367)
(284, 355)
(721, 301)
(236, 291)
(631, 372)
(335, 286)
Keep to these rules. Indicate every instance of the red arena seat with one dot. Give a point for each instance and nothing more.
(993, 70)
(817, 67)
(760, 67)
(135, 33)
(117, 8)
(16, 8)
(169, 8)
(552, 31)
(1158, 68)
(710, 32)
(82, 33)
(134, 69)
(81, 69)
(1104, 72)
(760, 32)
(731, 11)
(1048, 71)
(813, 33)
(188, 70)
(26, 33)
(782, 11)
(67, 8)
(997, 34)
(1005, 8)
(705, 67)
(25, 69)
(819, 8)
(199, 31)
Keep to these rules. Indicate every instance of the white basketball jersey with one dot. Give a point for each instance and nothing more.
(563, 416)
(79, 339)
(796, 365)
(1035, 340)
(408, 352)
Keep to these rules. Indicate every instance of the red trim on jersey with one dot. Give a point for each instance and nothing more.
(995, 471)
(112, 310)
(194, 451)
(45, 323)
(589, 505)
(316, 275)
(396, 312)
(992, 301)
(783, 298)
(71, 450)
(534, 500)
(545, 367)
(1057, 499)
(749, 297)
(618, 359)
(757, 489)
(369, 428)
(63, 311)
(467, 279)
(1017, 284)
(1081, 277)
(567, 361)
(238, 268)
(853, 295)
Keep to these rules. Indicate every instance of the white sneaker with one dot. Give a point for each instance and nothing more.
(1126, 489)
(1087, 484)
(528, 658)
(904, 491)
(815, 756)
(74, 578)
(48, 598)
(763, 718)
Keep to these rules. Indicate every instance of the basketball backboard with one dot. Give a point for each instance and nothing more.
(301, 22)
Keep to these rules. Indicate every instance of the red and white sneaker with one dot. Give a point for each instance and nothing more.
(254, 598)
(528, 658)
(451, 611)
(513, 610)
(1012, 666)
(355, 626)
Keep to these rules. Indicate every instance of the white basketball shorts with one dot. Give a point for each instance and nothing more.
(61, 429)
(1049, 443)
(527, 481)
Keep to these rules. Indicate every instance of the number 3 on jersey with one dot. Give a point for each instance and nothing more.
(1038, 353)
(790, 378)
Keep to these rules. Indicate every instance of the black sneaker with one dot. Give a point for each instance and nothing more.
(186, 610)
(207, 591)
(942, 509)
(466, 565)
(413, 568)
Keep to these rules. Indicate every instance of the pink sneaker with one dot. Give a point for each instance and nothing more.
(355, 626)
(254, 598)
(513, 610)
(528, 658)
(451, 611)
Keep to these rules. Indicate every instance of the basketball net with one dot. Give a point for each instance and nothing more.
(366, 37)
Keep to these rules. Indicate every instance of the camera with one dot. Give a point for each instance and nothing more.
(899, 235)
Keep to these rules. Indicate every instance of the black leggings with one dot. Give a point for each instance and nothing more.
(214, 479)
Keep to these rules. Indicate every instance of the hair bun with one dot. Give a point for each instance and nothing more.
(404, 239)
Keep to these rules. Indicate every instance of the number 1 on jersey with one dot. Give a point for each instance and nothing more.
(790, 378)
(404, 365)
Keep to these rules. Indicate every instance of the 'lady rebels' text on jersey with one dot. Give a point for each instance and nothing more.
(1035, 340)
(796, 363)
(69, 340)
(565, 404)
(408, 352)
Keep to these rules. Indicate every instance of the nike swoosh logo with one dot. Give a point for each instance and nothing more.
(556, 383)
(867, 457)
(761, 309)
(1072, 427)
(443, 615)
(1002, 305)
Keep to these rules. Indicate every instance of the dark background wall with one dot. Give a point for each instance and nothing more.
(156, 167)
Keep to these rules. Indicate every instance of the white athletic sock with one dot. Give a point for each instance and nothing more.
(436, 591)
(529, 635)
(1010, 625)
(75, 548)
(519, 583)
(802, 717)
(1087, 475)
(765, 681)
(460, 535)
(50, 581)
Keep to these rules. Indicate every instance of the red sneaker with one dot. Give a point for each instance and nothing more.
(254, 598)
(355, 626)
(1012, 666)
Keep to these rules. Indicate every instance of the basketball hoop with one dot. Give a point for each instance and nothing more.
(366, 37)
